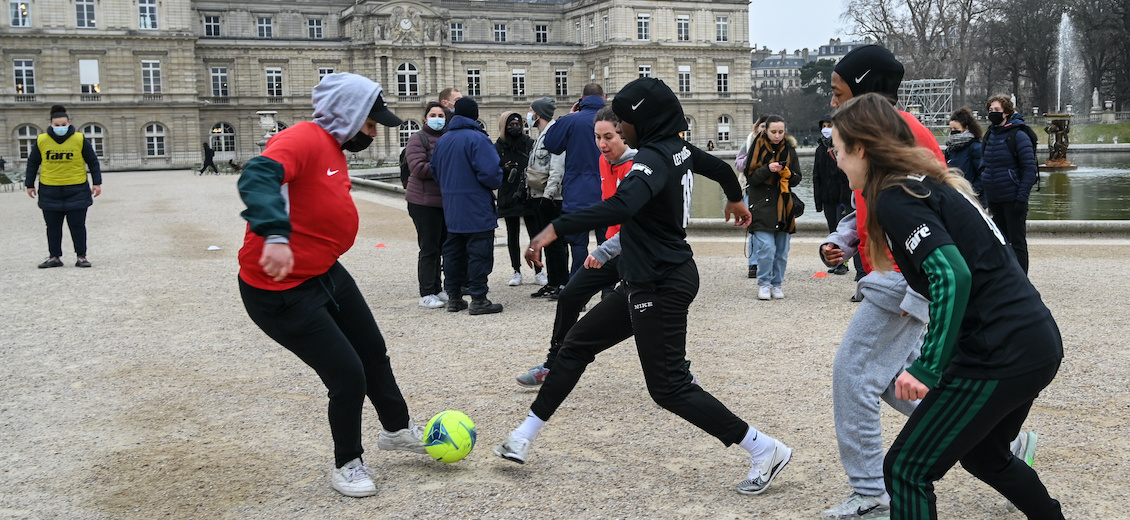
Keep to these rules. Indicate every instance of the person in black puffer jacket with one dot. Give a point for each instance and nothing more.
(514, 147)
(1008, 179)
(964, 150)
(830, 188)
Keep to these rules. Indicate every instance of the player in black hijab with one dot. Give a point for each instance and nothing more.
(660, 281)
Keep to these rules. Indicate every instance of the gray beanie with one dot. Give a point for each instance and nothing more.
(544, 108)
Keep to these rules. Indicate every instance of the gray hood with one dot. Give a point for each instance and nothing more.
(342, 102)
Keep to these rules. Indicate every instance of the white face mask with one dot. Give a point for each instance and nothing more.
(60, 130)
(826, 132)
(530, 119)
(436, 123)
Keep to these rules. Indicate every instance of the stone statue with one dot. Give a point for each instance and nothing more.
(1057, 145)
(1095, 99)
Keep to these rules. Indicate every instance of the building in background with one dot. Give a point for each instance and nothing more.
(776, 73)
(149, 80)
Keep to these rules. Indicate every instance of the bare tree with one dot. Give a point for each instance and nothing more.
(936, 38)
(1100, 29)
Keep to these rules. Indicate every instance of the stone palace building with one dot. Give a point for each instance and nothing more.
(149, 80)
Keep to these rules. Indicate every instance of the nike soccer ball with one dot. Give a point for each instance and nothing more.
(449, 436)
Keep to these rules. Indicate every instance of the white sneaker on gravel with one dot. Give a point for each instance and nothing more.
(442, 295)
(763, 293)
(515, 280)
(540, 278)
(860, 507)
(778, 294)
(1023, 447)
(431, 301)
(514, 448)
(352, 480)
(408, 439)
(764, 471)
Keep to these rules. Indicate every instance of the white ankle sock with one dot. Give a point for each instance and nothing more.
(758, 444)
(529, 428)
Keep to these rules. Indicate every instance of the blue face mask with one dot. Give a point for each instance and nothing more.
(436, 123)
(530, 120)
(60, 130)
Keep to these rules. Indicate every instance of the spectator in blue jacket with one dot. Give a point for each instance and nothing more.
(963, 148)
(465, 163)
(1007, 178)
(580, 187)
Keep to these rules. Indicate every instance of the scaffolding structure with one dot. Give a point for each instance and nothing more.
(931, 100)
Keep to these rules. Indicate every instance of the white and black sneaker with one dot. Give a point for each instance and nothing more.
(857, 506)
(763, 472)
(352, 480)
(514, 448)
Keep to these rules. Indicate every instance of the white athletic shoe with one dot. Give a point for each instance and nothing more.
(442, 295)
(860, 507)
(352, 480)
(764, 471)
(516, 280)
(540, 278)
(763, 293)
(1024, 448)
(778, 294)
(408, 439)
(514, 448)
(431, 301)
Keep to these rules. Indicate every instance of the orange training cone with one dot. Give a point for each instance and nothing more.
(820, 274)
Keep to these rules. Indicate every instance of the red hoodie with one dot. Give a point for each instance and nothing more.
(610, 177)
(925, 139)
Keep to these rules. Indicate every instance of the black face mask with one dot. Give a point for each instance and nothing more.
(513, 132)
(996, 118)
(358, 143)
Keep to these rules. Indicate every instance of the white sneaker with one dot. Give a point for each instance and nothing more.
(408, 439)
(540, 278)
(431, 301)
(514, 448)
(764, 471)
(778, 294)
(763, 293)
(1023, 447)
(516, 280)
(860, 507)
(442, 295)
(352, 480)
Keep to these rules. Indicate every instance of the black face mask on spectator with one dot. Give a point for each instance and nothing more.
(357, 143)
(996, 118)
(513, 132)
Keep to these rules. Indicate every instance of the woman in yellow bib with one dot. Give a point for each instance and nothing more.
(58, 157)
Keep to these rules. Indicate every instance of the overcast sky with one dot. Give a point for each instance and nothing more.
(795, 24)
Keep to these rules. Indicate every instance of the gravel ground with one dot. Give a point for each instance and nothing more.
(140, 389)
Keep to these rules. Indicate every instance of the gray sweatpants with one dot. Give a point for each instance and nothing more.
(878, 345)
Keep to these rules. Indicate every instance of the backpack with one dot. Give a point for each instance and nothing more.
(1010, 140)
(404, 171)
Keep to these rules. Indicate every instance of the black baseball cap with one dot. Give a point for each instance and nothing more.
(381, 114)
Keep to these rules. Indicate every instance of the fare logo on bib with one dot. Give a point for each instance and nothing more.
(916, 237)
(59, 156)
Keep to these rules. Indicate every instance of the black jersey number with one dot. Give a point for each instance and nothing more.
(688, 185)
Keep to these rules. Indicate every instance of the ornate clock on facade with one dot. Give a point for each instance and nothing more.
(405, 24)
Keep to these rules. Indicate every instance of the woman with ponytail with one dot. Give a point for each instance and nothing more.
(991, 345)
(771, 174)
